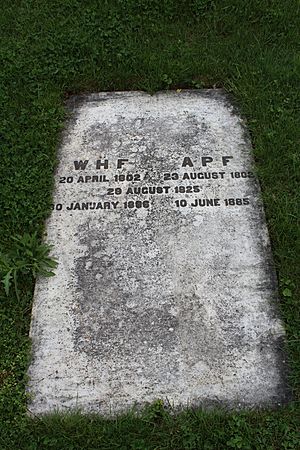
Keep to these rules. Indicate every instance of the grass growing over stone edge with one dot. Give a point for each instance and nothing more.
(50, 50)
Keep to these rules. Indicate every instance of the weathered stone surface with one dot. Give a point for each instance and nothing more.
(165, 286)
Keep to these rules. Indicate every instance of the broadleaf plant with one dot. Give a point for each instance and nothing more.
(26, 256)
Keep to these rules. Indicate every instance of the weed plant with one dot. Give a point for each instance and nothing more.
(52, 49)
(26, 257)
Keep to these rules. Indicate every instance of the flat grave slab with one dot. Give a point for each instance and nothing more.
(165, 286)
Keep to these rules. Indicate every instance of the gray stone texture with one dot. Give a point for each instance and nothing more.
(167, 291)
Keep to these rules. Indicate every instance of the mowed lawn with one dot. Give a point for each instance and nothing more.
(51, 49)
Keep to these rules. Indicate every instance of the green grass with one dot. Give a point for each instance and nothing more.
(52, 49)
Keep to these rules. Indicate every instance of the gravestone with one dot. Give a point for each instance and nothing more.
(165, 286)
